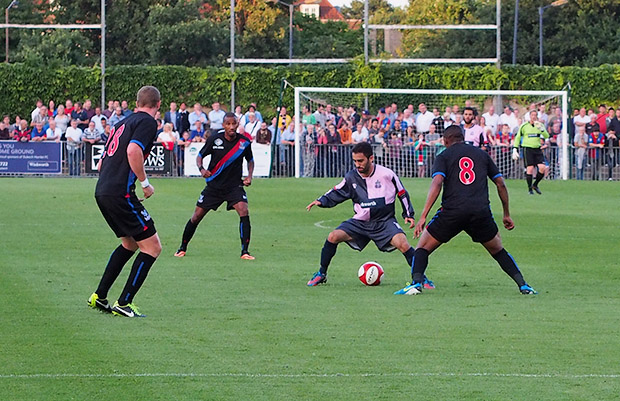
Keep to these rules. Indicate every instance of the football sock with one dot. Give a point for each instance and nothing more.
(327, 253)
(508, 265)
(139, 271)
(188, 233)
(409, 256)
(244, 232)
(115, 265)
(539, 177)
(528, 178)
(420, 261)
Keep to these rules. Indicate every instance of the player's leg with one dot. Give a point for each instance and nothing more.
(507, 263)
(190, 230)
(150, 248)
(542, 168)
(400, 242)
(426, 245)
(327, 253)
(244, 229)
(529, 172)
(117, 261)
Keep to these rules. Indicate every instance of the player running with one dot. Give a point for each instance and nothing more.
(463, 170)
(530, 136)
(122, 163)
(373, 190)
(224, 184)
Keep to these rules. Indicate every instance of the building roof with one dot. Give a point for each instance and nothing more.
(327, 12)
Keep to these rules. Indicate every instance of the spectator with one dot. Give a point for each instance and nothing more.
(373, 130)
(420, 155)
(346, 133)
(613, 132)
(197, 116)
(168, 137)
(185, 126)
(38, 132)
(509, 118)
(5, 134)
(239, 113)
(424, 119)
(125, 108)
(253, 107)
(333, 138)
(355, 118)
(263, 136)
(360, 134)
(216, 118)
(394, 147)
(308, 118)
(183, 143)
(398, 129)
(88, 108)
(35, 112)
(438, 122)
(408, 119)
(62, 120)
(458, 120)
(80, 115)
(97, 118)
(197, 134)
(601, 118)
(283, 119)
(329, 115)
(596, 143)
(581, 144)
(110, 110)
(543, 117)
(117, 116)
(173, 117)
(455, 110)
(557, 115)
(252, 126)
(491, 120)
(68, 107)
(320, 117)
(91, 134)
(590, 125)
(41, 117)
(105, 132)
(22, 134)
(51, 109)
(286, 145)
(53, 133)
(74, 147)
(366, 118)
(384, 120)
(392, 112)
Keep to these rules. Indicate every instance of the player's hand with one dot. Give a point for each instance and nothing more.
(410, 221)
(206, 173)
(515, 154)
(508, 223)
(247, 181)
(419, 227)
(313, 203)
(148, 191)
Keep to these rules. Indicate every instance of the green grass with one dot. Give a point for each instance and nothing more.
(222, 328)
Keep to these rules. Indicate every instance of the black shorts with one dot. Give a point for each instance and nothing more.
(480, 225)
(381, 232)
(126, 217)
(211, 199)
(533, 156)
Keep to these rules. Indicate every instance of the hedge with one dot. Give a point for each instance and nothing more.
(22, 85)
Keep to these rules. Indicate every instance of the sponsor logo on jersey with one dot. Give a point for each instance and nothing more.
(368, 204)
(217, 144)
(377, 184)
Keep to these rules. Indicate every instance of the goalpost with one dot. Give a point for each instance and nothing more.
(518, 100)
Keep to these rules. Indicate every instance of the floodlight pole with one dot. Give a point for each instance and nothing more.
(102, 54)
(498, 33)
(556, 3)
(514, 34)
(14, 3)
(232, 54)
(366, 45)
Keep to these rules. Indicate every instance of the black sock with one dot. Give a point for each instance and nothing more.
(539, 176)
(115, 265)
(244, 231)
(528, 178)
(188, 233)
(327, 253)
(139, 271)
(420, 261)
(409, 256)
(509, 266)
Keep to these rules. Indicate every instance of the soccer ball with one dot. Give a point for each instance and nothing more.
(370, 273)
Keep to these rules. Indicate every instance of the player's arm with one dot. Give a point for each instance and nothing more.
(248, 180)
(431, 198)
(136, 162)
(333, 197)
(206, 149)
(405, 202)
(502, 191)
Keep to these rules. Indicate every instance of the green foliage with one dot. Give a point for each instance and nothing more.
(23, 83)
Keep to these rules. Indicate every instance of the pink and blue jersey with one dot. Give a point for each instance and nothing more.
(373, 196)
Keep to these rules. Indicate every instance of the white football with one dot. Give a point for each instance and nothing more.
(370, 273)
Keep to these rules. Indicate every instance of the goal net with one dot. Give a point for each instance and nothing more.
(405, 127)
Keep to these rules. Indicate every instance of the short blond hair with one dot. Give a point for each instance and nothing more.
(148, 96)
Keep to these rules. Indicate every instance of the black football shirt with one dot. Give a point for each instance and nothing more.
(226, 165)
(115, 176)
(465, 169)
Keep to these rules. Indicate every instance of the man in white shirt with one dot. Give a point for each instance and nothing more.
(509, 118)
(491, 120)
(197, 115)
(252, 126)
(424, 119)
(53, 133)
(97, 119)
(216, 118)
(581, 119)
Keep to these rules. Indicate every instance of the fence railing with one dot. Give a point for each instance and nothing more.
(331, 160)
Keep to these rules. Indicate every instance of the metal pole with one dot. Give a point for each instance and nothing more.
(498, 34)
(366, 44)
(290, 31)
(6, 35)
(232, 54)
(103, 54)
(540, 36)
(514, 34)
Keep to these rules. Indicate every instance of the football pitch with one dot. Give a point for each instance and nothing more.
(219, 327)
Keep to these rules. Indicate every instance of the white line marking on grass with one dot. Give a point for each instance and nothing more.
(319, 224)
(306, 375)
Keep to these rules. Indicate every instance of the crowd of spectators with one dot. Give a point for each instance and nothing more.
(405, 140)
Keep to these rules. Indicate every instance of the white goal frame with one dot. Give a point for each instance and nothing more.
(564, 164)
